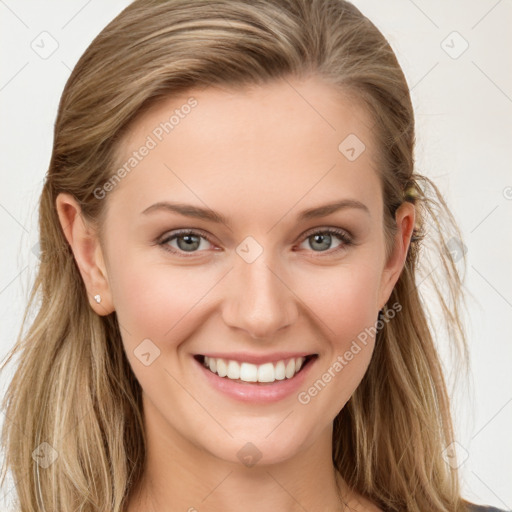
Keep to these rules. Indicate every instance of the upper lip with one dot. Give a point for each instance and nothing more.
(246, 357)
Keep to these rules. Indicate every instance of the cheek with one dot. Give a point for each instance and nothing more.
(156, 301)
(343, 298)
(343, 301)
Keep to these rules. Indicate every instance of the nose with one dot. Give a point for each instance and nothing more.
(259, 300)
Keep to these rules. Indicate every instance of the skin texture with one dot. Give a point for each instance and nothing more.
(259, 156)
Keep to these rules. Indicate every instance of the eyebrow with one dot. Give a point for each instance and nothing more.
(197, 212)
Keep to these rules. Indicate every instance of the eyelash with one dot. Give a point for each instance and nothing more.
(341, 234)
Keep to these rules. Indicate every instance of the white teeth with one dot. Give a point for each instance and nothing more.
(280, 371)
(266, 373)
(248, 372)
(290, 368)
(222, 369)
(233, 370)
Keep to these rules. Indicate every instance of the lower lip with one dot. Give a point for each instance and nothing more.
(257, 392)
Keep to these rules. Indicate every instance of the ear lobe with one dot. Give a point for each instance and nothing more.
(84, 242)
(405, 218)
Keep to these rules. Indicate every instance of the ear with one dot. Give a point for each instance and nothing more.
(87, 251)
(405, 217)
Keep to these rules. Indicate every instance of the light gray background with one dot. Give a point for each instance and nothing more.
(464, 117)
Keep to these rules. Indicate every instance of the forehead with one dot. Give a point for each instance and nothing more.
(285, 141)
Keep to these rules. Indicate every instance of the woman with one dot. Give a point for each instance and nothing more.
(231, 227)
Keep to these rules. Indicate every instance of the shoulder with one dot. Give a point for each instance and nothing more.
(481, 508)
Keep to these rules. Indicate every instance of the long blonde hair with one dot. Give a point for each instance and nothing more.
(74, 388)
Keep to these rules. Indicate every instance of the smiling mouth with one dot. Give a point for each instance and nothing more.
(247, 373)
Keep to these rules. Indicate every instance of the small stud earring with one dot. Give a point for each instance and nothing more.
(97, 298)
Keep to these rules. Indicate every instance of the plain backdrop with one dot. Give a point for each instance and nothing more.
(456, 56)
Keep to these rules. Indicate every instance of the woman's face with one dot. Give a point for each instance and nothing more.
(268, 282)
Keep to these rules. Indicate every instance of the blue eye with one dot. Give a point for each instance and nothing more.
(190, 241)
(187, 240)
(323, 238)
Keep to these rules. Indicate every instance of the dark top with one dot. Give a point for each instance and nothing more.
(482, 508)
